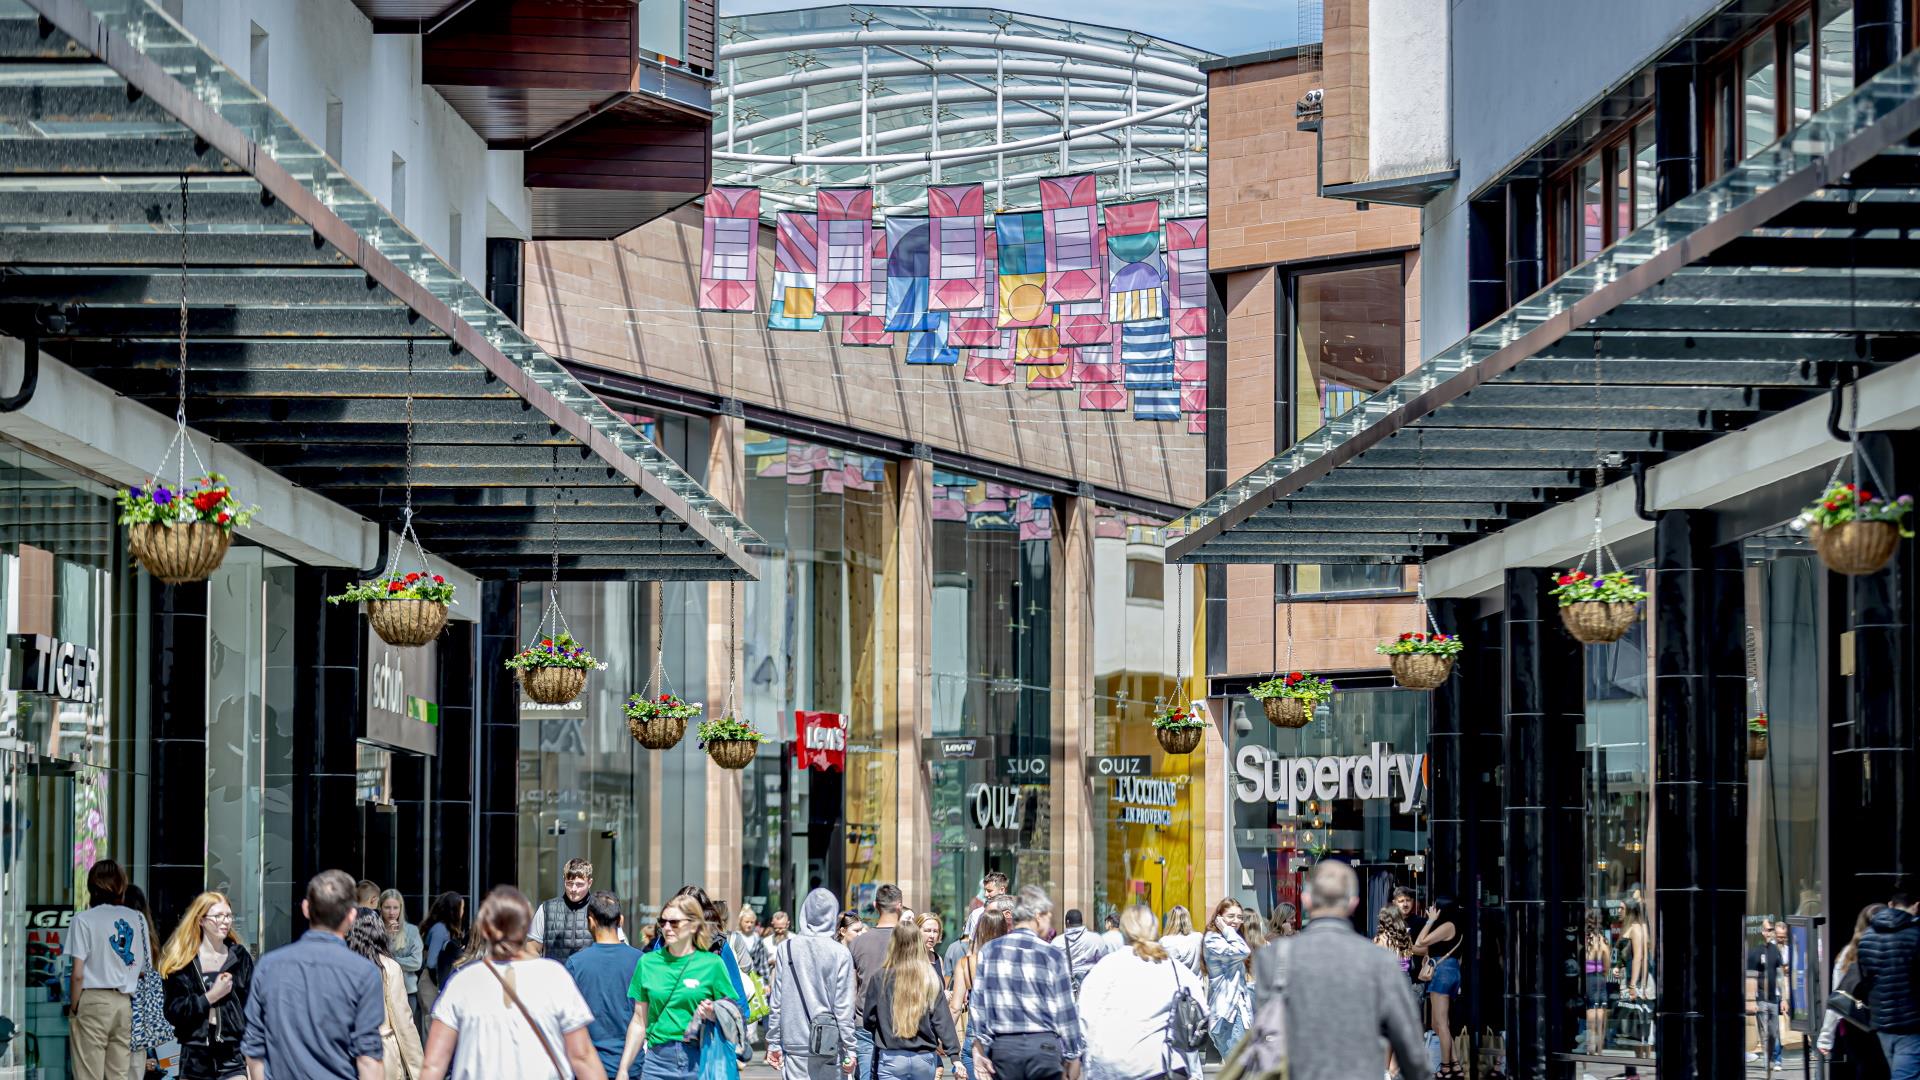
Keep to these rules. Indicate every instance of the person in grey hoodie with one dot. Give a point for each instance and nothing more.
(813, 973)
(1346, 1000)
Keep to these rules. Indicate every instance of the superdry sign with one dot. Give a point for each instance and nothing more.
(1378, 774)
(820, 740)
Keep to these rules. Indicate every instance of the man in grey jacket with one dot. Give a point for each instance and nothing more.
(1346, 999)
(812, 973)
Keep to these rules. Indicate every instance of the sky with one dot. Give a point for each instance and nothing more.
(1227, 27)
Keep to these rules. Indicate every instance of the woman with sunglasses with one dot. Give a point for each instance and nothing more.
(208, 973)
(673, 992)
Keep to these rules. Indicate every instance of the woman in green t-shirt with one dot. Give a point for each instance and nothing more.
(673, 992)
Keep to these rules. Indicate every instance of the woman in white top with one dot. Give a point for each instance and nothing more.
(479, 1031)
(1223, 962)
(1179, 938)
(1126, 1008)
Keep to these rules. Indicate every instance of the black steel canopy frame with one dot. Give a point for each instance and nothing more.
(1789, 276)
(301, 302)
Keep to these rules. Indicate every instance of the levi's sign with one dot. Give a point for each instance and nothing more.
(1379, 774)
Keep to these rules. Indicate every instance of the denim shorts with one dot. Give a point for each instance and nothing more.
(1446, 977)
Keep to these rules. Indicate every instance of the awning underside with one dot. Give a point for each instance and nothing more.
(297, 351)
(1792, 273)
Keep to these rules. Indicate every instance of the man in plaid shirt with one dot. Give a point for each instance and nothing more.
(1022, 1016)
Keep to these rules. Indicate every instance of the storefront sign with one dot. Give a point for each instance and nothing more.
(1140, 765)
(1150, 794)
(1267, 777)
(1032, 769)
(995, 806)
(957, 748)
(402, 685)
(821, 740)
(42, 664)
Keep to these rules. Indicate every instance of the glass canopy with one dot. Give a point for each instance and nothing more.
(901, 97)
(1784, 277)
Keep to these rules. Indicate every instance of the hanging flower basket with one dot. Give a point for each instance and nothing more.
(182, 536)
(1757, 738)
(1289, 699)
(658, 723)
(1597, 610)
(553, 671)
(730, 742)
(406, 610)
(1421, 661)
(1855, 531)
(1178, 727)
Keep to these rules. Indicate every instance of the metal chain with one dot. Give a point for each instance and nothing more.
(1179, 634)
(733, 640)
(1290, 584)
(180, 409)
(409, 431)
(1420, 479)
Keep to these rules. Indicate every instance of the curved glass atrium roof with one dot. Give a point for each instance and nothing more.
(902, 97)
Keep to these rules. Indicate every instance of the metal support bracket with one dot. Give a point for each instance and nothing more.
(1640, 491)
(29, 373)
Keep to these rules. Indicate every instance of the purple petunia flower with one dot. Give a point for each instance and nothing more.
(161, 496)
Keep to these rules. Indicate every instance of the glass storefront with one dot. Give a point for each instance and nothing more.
(1351, 785)
(820, 651)
(1148, 807)
(992, 670)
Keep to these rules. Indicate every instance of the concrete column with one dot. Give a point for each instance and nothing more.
(726, 481)
(1877, 37)
(1071, 825)
(910, 592)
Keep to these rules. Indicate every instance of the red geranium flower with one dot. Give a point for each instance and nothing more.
(394, 586)
(546, 641)
(221, 517)
(438, 580)
(1866, 496)
(1406, 637)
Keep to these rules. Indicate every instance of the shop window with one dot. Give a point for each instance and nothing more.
(1617, 172)
(818, 637)
(1146, 580)
(1800, 61)
(1349, 341)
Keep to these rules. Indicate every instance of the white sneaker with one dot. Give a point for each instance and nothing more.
(1753, 1057)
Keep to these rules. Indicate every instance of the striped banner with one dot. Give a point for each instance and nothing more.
(957, 260)
(1146, 352)
(1094, 365)
(845, 244)
(1162, 405)
(1190, 359)
(728, 241)
(795, 241)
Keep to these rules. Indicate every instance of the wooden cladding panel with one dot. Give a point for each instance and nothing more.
(700, 34)
(614, 152)
(538, 44)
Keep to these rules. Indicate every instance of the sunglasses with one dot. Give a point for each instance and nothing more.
(675, 922)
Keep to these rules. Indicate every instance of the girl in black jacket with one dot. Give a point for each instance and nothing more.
(208, 974)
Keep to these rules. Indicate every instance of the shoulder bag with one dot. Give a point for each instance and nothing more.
(823, 1029)
(1187, 1027)
(558, 1069)
(1850, 998)
(1262, 1053)
(150, 1025)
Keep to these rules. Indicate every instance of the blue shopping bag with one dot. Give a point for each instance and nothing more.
(717, 1060)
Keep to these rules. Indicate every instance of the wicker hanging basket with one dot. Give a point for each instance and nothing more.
(1420, 671)
(178, 554)
(657, 732)
(1857, 547)
(1178, 740)
(1756, 746)
(1594, 623)
(553, 685)
(1288, 712)
(733, 753)
(407, 623)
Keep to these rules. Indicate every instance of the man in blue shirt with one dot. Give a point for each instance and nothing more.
(316, 1006)
(604, 971)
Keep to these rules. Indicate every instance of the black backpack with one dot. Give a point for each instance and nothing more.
(1187, 1028)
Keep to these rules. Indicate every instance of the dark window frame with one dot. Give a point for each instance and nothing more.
(1563, 193)
(1721, 79)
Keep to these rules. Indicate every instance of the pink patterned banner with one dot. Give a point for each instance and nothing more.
(844, 245)
(729, 241)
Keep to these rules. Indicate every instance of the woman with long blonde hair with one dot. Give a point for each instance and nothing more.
(1179, 938)
(1126, 1005)
(208, 975)
(904, 1009)
(996, 920)
(673, 992)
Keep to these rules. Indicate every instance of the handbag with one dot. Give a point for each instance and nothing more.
(757, 1008)
(823, 1030)
(558, 1069)
(150, 1025)
(1849, 999)
(1426, 971)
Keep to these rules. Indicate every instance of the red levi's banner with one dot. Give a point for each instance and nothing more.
(821, 740)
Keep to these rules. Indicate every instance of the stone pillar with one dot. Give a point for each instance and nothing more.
(177, 846)
(1676, 146)
(1699, 799)
(910, 570)
(726, 481)
(496, 715)
(454, 788)
(331, 639)
(1875, 743)
(1878, 37)
(1545, 841)
(1072, 823)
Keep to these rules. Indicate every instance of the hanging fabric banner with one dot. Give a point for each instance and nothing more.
(1136, 272)
(1086, 323)
(728, 241)
(1069, 206)
(979, 328)
(1094, 365)
(1023, 270)
(992, 366)
(1055, 376)
(957, 263)
(929, 346)
(1103, 397)
(907, 309)
(1036, 344)
(1147, 355)
(1187, 276)
(870, 330)
(1190, 360)
(1163, 405)
(1193, 402)
(794, 242)
(845, 244)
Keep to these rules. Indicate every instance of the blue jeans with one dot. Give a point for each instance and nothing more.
(907, 1065)
(965, 1064)
(1903, 1055)
(1226, 1035)
(671, 1061)
(863, 1054)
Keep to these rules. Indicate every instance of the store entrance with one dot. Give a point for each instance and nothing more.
(52, 822)
(394, 822)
